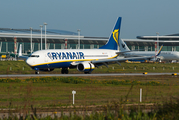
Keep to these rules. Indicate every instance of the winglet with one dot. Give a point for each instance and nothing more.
(158, 53)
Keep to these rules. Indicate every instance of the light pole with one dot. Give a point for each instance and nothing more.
(41, 35)
(157, 40)
(78, 38)
(31, 40)
(45, 36)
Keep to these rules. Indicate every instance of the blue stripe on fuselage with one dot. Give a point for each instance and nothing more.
(54, 65)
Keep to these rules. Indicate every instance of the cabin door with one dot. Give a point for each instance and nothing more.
(46, 58)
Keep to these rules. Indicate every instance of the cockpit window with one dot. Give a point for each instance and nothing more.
(34, 56)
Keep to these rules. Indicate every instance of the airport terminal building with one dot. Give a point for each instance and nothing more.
(31, 39)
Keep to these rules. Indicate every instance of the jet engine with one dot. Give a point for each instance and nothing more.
(86, 67)
(157, 59)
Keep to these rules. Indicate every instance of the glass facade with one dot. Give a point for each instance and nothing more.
(177, 48)
(152, 48)
(8, 47)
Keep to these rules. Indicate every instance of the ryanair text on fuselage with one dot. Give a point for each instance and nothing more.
(65, 55)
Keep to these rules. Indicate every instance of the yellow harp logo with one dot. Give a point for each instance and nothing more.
(116, 35)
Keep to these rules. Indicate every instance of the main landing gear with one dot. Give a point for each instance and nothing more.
(37, 72)
(64, 71)
(89, 72)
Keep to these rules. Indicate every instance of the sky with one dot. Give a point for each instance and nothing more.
(95, 18)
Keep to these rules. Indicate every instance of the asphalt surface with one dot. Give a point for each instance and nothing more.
(76, 75)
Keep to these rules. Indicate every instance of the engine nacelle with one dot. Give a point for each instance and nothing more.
(157, 59)
(85, 67)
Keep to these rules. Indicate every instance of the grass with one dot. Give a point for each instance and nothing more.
(57, 91)
(54, 92)
(167, 111)
(20, 67)
(31, 94)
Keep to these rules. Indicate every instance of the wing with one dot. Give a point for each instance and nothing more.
(122, 52)
(117, 60)
(23, 57)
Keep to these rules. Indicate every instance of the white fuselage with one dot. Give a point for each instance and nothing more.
(57, 58)
(164, 55)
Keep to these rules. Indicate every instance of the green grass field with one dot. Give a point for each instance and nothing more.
(57, 91)
(158, 88)
(20, 67)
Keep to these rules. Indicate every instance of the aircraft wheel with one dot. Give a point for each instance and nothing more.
(36, 72)
(87, 72)
(64, 71)
(158, 60)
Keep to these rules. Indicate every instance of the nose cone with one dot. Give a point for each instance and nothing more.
(29, 61)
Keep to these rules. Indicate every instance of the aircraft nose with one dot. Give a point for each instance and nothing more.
(29, 62)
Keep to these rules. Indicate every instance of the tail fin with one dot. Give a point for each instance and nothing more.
(20, 53)
(113, 41)
(20, 50)
(158, 53)
(123, 46)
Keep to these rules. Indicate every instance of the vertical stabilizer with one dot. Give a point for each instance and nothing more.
(20, 53)
(20, 50)
(122, 46)
(113, 41)
(158, 53)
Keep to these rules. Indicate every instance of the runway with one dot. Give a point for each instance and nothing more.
(79, 75)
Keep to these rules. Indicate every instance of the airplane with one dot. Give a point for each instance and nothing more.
(160, 56)
(85, 60)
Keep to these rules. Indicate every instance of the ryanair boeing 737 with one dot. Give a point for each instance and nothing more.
(85, 60)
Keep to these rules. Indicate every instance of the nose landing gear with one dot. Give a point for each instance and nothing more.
(64, 71)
